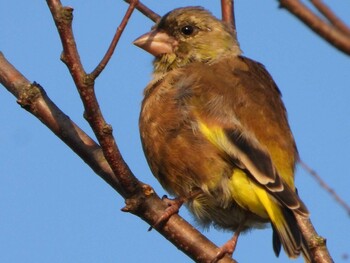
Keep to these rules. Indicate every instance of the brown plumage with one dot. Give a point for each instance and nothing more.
(213, 120)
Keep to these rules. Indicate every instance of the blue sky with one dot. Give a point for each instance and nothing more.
(55, 209)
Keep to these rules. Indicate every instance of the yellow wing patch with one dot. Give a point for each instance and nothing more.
(256, 199)
(246, 193)
(214, 134)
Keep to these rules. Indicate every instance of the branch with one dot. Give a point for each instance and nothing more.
(63, 17)
(325, 186)
(33, 98)
(228, 13)
(147, 205)
(331, 34)
(100, 67)
(145, 11)
(332, 18)
(316, 244)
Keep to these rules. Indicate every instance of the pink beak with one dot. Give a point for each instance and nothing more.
(156, 43)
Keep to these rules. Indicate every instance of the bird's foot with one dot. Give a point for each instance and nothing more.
(173, 208)
(229, 247)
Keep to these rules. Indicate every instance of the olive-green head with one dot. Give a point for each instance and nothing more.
(186, 35)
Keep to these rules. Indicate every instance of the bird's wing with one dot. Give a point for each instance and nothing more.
(239, 110)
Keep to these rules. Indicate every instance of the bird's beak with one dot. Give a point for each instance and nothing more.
(156, 42)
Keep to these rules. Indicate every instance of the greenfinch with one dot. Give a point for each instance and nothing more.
(213, 123)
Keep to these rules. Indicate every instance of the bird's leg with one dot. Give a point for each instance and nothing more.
(173, 207)
(230, 246)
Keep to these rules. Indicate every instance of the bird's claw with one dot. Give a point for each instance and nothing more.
(173, 208)
(227, 249)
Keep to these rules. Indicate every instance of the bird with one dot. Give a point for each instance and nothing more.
(215, 131)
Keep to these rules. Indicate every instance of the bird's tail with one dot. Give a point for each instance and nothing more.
(287, 233)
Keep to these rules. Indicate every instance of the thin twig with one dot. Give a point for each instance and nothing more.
(96, 72)
(227, 11)
(331, 16)
(63, 17)
(330, 34)
(325, 186)
(146, 11)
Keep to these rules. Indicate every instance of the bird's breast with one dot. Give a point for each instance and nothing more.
(177, 152)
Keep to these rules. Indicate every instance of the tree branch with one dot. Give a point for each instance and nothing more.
(331, 34)
(63, 17)
(33, 98)
(228, 13)
(100, 67)
(141, 200)
(316, 244)
(146, 205)
(146, 11)
(325, 186)
(332, 18)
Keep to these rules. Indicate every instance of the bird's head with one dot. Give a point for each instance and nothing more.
(186, 35)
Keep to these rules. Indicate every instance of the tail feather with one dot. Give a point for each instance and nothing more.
(287, 233)
(276, 242)
(282, 218)
(305, 251)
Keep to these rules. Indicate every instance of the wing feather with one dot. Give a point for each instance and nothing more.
(260, 167)
(244, 115)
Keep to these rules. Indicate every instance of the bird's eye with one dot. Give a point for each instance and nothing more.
(187, 30)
